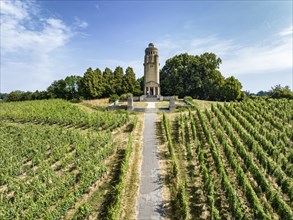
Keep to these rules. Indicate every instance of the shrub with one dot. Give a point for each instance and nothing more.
(188, 98)
(114, 98)
(125, 96)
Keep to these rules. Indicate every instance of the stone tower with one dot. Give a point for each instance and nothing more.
(151, 71)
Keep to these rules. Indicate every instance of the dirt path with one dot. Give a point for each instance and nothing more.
(150, 203)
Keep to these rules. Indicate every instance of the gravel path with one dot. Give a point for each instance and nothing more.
(150, 196)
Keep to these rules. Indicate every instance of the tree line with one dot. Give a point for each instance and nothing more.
(276, 92)
(197, 76)
(94, 84)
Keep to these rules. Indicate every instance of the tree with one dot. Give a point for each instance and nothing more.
(196, 76)
(72, 87)
(92, 84)
(118, 81)
(212, 79)
(175, 76)
(38, 95)
(14, 96)
(262, 93)
(58, 89)
(140, 81)
(231, 89)
(3, 96)
(108, 78)
(130, 83)
(281, 92)
(213, 84)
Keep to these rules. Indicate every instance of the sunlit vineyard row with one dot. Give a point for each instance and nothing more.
(57, 111)
(45, 169)
(235, 160)
(47, 164)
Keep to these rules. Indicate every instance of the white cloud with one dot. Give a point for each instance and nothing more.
(286, 31)
(167, 43)
(260, 59)
(17, 9)
(212, 44)
(80, 23)
(238, 58)
(30, 46)
(17, 35)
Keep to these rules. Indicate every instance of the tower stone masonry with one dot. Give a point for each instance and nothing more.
(151, 71)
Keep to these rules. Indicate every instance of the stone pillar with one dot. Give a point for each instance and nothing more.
(172, 104)
(130, 103)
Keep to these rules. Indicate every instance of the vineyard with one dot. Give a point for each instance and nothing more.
(59, 161)
(78, 161)
(234, 161)
(60, 112)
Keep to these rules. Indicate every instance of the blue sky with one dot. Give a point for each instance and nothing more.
(43, 41)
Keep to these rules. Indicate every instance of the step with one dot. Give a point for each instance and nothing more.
(151, 99)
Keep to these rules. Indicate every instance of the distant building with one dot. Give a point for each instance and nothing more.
(151, 71)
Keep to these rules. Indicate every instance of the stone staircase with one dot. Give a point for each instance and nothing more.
(151, 99)
(151, 110)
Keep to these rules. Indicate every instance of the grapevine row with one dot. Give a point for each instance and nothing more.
(60, 112)
(32, 197)
(234, 202)
(277, 202)
(181, 198)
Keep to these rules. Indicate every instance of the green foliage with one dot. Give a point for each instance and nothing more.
(57, 89)
(181, 202)
(262, 93)
(82, 212)
(114, 208)
(15, 96)
(114, 98)
(188, 99)
(19, 96)
(118, 81)
(108, 78)
(3, 96)
(241, 151)
(96, 84)
(231, 89)
(131, 85)
(73, 84)
(34, 151)
(198, 77)
(57, 111)
(54, 163)
(281, 92)
(92, 84)
(141, 84)
(69, 89)
(253, 139)
(125, 96)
